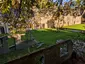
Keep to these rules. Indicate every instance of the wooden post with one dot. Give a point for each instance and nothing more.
(52, 56)
(4, 48)
(5, 44)
(14, 43)
(70, 47)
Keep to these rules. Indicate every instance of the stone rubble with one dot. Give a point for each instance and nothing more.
(78, 47)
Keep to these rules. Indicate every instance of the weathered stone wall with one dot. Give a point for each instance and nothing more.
(68, 20)
(60, 22)
(83, 17)
(48, 19)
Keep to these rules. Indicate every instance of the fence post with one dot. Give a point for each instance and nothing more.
(70, 47)
(5, 44)
(52, 55)
(14, 42)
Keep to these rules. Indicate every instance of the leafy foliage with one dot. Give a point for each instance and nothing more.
(18, 12)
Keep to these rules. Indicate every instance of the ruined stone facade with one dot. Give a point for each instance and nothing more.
(48, 22)
(49, 19)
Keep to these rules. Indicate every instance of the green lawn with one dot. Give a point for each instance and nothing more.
(47, 36)
(77, 26)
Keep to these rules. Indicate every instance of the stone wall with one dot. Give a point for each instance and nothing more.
(47, 18)
(49, 22)
(68, 20)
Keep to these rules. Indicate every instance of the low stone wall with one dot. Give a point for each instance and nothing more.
(49, 55)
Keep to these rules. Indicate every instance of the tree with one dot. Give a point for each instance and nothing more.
(78, 2)
(16, 12)
(41, 3)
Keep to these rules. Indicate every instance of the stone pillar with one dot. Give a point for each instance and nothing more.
(6, 28)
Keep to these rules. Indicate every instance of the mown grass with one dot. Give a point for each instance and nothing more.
(77, 26)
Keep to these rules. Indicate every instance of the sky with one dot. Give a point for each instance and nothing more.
(66, 0)
(63, 0)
